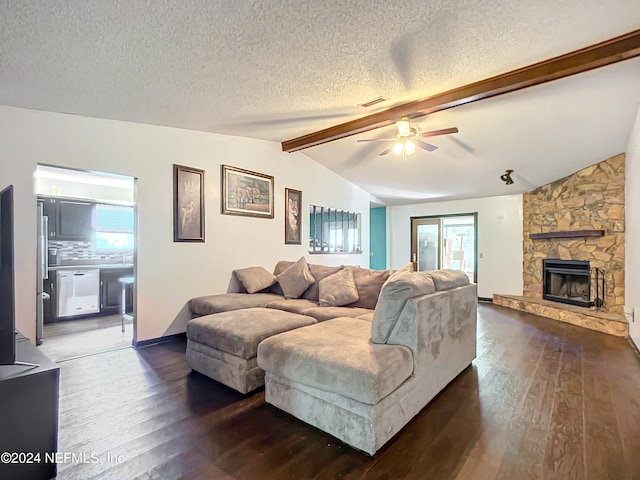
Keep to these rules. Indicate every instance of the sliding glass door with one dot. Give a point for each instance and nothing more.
(427, 239)
(448, 241)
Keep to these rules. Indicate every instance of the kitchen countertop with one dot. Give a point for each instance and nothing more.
(101, 266)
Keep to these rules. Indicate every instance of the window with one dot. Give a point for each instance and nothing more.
(334, 231)
(114, 227)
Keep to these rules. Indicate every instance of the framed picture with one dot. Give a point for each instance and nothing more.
(246, 193)
(292, 219)
(188, 204)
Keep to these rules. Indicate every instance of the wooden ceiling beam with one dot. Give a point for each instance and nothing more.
(595, 56)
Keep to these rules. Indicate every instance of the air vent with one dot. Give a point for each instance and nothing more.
(373, 102)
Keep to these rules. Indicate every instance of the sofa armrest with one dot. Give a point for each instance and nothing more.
(428, 322)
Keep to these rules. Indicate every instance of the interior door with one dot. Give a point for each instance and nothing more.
(426, 244)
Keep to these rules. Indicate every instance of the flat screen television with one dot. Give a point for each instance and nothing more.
(7, 291)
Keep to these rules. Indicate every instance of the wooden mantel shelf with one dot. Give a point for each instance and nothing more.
(566, 234)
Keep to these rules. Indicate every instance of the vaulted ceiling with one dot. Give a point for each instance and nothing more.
(276, 70)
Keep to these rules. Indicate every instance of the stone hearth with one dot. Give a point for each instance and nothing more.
(610, 323)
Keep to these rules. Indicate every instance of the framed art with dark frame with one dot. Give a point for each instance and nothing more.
(292, 223)
(188, 204)
(246, 193)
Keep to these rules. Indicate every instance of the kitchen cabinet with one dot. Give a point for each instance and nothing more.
(111, 290)
(68, 219)
(75, 220)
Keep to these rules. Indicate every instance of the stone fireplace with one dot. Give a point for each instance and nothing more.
(579, 218)
(573, 250)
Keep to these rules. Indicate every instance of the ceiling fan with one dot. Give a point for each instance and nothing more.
(408, 138)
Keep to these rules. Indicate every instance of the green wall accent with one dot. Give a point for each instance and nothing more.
(378, 238)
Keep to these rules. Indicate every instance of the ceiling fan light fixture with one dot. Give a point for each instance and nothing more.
(404, 128)
(398, 148)
(409, 147)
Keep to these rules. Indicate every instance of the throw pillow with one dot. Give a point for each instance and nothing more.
(338, 289)
(319, 272)
(405, 268)
(294, 280)
(254, 279)
(369, 284)
(394, 295)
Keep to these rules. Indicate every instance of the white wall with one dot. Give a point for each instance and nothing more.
(499, 238)
(168, 273)
(632, 231)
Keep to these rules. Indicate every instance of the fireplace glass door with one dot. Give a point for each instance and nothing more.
(567, 281)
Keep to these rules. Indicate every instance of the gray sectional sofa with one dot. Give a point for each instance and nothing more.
(354, 352)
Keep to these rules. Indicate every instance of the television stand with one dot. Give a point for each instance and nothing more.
(29, 411)
(26, 364)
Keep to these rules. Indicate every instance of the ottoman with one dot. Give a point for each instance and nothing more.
(223, 346)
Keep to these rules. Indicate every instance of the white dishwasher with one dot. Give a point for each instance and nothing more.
(78, 292)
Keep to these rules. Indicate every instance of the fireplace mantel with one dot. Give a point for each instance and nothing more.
(566, 234)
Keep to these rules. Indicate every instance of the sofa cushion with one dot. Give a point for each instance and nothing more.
(254, 279)
(369, 283)
(319, 272)
(338, 289)
(400, 287)
(366, 316)
(353, 367)
(327, 313)
(224, 302)
(448, 279)
(294, 305)
(295, 279)
(239, 332)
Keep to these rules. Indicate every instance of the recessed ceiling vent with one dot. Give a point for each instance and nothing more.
(375, 101)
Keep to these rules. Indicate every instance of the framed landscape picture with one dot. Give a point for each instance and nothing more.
(292, 223)
(246, 193)
(188, 204)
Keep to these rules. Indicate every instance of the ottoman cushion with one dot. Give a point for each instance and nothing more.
(225, 302)
(294, 305)
(328, 313)
(353, 367)
(239, 332)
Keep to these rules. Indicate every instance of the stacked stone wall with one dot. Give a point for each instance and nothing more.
(590, 199)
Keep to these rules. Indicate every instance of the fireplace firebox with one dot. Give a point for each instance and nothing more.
(567, 281)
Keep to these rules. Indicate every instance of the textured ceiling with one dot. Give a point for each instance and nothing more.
(279, 69)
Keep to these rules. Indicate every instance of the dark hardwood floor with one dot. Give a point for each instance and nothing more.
(542, 400)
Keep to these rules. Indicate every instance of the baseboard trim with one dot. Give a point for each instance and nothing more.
(156, 341)
(635, 347)
(485, 299)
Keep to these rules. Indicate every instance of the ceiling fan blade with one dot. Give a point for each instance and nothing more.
(427, 146)
(386, 151)
(444, 131)
(377, 140)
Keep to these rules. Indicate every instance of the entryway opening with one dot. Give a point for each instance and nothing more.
(445, 241)
(86, 299)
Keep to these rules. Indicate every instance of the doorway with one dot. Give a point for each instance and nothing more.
(378, 238)
(445, 241)
(86, 262)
